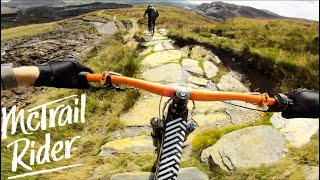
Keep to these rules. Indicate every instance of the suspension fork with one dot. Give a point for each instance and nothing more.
(173, 136)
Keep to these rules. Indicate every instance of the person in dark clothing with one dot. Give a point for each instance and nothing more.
(152, 15)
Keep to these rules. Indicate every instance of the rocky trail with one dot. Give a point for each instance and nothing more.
(165, 62)
(195, 67)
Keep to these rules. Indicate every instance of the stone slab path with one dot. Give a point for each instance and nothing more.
(195, 67)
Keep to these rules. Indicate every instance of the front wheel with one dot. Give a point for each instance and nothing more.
(170, 150)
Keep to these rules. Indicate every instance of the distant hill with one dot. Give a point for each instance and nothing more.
(44, 14)
(220, 11)
(21, 4)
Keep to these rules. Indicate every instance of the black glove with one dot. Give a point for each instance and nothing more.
(62, 74)
(305, 104)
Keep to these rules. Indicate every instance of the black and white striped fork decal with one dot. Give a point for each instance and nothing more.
(170, 157)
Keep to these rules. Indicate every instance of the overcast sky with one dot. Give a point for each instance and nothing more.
(299, 9)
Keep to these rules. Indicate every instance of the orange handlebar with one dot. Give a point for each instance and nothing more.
(196, 95)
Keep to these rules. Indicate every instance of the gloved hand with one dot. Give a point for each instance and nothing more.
(62, 74)
(305, 104)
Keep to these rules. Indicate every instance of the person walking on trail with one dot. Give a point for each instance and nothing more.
(152, 16)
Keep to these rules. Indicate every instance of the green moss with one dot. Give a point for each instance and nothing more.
(217, 78)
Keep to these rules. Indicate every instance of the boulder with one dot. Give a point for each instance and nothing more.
(245, 148)
(135, 145)
(210, 69)
(228, 83)
(161, 57)
(184, 174)
(166, 73)
(297, 131)
(192, 66)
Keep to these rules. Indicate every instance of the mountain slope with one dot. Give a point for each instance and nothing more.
(220, 11)
(27, 4)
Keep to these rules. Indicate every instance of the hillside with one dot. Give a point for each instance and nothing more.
(48, 13)
(242, 55)
(21, 4)
(220, 11)
(26, 4)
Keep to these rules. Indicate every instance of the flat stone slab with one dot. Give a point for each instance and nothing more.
(189, 173)
(106, 28)
(166, 73)
(241, 115)
(162, 57)
(210, 69)
(168, 46)
(246, 148)
(228, 83)
(211, 120)
(146, 51)
(192, 66)
(158, 47)
(143, 111)
(152, 43)
(158, 37)
(129, 132)
(297, 131)
(133, 145)
(198, 81)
